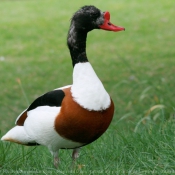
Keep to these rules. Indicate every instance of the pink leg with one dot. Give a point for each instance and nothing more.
(75, 155)
(55, 159)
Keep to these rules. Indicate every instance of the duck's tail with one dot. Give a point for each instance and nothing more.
(19, 135)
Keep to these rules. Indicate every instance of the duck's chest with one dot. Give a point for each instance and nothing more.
(79, 124)
(87, 89)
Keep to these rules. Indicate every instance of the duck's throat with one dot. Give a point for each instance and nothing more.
(76, 41)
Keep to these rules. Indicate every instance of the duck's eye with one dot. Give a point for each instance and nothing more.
(95, 14)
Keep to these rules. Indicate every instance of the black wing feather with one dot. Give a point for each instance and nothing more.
(52, 98)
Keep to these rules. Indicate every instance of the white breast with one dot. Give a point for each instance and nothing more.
(87, 90)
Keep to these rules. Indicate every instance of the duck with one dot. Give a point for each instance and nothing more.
(71, 116)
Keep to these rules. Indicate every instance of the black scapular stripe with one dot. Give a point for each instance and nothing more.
(32, 144)
(52, 98)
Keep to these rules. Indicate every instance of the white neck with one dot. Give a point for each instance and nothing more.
(87, 90)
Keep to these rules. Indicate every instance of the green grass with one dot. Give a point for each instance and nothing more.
(135, 66)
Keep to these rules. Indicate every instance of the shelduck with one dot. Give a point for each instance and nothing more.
(75, 115)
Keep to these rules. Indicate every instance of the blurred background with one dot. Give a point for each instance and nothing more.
(137, 67)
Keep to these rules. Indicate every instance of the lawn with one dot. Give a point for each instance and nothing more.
(137, 68)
